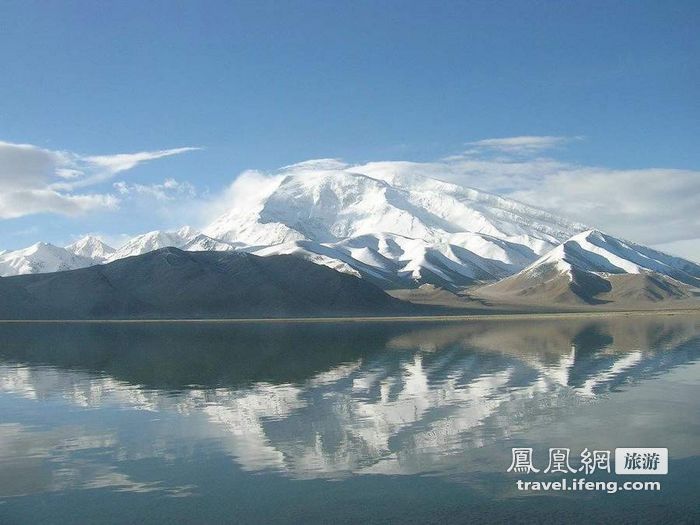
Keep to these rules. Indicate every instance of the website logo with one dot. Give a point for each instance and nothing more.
(641, 461)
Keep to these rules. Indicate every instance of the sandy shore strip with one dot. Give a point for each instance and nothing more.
(385, 319)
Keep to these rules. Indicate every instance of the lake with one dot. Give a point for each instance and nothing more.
(343, 422)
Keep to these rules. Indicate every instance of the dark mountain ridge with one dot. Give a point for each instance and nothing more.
(171, 283)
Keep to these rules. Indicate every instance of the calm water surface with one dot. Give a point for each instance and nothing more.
(334, 423)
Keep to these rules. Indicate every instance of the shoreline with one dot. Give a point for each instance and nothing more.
(520, 316)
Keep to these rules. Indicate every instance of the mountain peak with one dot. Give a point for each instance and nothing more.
(92, 247)
(325, 205)
(596, 267)
(424, 230)
(328, 164)
(187, 232)
(592, 233)
(154, 240)
(40, 257)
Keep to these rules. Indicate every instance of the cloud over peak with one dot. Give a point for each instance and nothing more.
(525, 144)
(647, 205)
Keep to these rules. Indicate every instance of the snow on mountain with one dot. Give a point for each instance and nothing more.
(400, 230)
(394, 228)
(155, 240)
(92, 248)
(393, 260)
(479, 211)
(204, 243)
(596, 267)
(329, 205)
(40, 258)
(186, 238)
(597, 252)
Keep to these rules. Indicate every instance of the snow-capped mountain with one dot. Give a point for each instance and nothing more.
(92, 248)
(335, 204)
(393, 260)
(204, 243)
(401, 231)
(41, 258)
(398, 229)
(155, 240)
(595, 267)
(594, 251)
(186, 238)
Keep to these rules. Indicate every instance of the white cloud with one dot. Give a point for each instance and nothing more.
(314, 165)
(248, 188)
(102, 167)
(36, 180)
(25, 166)
(168, 190)
(503, 175)
(27, 202)
(688, 249)
(648, 205)
(526, 144)
(126, 161)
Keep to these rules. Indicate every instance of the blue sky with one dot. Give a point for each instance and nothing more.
(259, 85)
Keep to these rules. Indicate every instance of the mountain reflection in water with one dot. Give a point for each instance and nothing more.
(332, 400)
